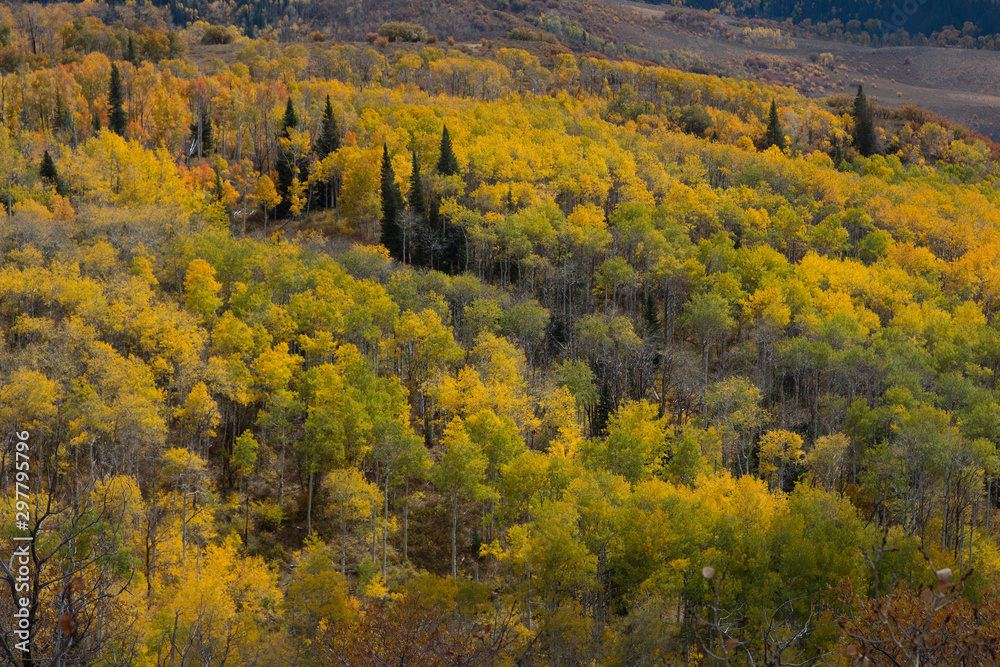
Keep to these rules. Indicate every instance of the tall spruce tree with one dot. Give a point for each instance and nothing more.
(416, 204)
(49, 174)
(329, 142)
(838, 152)
(290, 118)
(424, 236)
(864, 126)
(329, 138)
(201, 133)
(285, 165)
(207, 133)
(48, 169)
(392, 207)
(117, 119)
(450, 244)
(775, 135)
(447, 163)
(219, 191)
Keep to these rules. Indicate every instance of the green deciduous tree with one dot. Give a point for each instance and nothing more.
(779, 450)
(243, 462)
(317, 595)
(735, 405)
(201, 289)
(636, 442)
(352, 498)
(459, 474)
(706, 317)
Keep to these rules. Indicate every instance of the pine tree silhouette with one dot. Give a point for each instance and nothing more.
(392, 206)
(290, 119)
(48, 169)
(284, 165)
(775, 135)
(207, 134)
(447, 163)
(50, 175)
(328, 142)
(329, 138)
(449, 247)
(416, 203)
(864, 126)
(201, 133)
(117, 119)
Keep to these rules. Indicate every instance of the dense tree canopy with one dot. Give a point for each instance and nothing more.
(671, 372)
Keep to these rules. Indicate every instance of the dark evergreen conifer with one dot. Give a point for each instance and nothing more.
(603, 413)
(447, 163)
(48, 169)
(201, 133)
(329, 138)
(207, 133)
(219, 191)
(450, 239)
(328, 142)
(838, 152)
(416, 204)
(864, 126)
(290, 119)
(392, 207)
(284, 164)
(177, 13)
(454, 257)
(775, 135)
(50, 175)
(117, 119)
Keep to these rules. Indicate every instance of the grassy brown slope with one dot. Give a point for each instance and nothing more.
(962, 85)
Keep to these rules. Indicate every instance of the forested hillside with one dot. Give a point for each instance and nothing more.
(970, 17)
(418, 352)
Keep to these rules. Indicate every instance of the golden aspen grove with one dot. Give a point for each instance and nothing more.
(368, 346)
